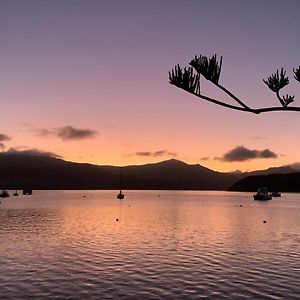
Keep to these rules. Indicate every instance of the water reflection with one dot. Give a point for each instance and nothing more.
(175, 245)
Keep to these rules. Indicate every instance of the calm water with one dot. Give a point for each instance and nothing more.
(165, 245)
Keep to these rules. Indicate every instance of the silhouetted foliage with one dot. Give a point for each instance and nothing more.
(297, 74)
(277, 81)
(287, 99)
(185, 79)
(210, 69)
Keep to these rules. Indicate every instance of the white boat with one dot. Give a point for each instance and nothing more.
(262, 194)
(276, 194)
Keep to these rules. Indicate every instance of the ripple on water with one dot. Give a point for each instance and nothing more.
(171, 247)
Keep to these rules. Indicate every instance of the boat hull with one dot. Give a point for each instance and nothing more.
(27, 192)
(120, 196)
(276, 194)
(262, 198)
(4, 195)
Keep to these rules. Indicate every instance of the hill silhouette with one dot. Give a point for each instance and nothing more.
(43, 172)
(274, 182)
(274, 170)
(20, 170)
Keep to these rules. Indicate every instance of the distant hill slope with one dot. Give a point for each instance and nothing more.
(274, 170)
(42, 172)
(274, 182)
(39, 172)
(175, 174)
(18, 171)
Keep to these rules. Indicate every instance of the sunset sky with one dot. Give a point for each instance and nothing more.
(87, 80)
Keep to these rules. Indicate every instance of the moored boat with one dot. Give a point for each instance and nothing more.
(276, 194)
(27, 192)
(120, 196)
(4, 194)
(262, 194)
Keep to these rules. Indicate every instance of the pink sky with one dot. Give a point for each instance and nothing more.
(103, 66)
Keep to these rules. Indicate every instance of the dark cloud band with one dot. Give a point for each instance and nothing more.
(155, 153)
(69, 133)
(241, 153)
(4, 137)
(30, 152)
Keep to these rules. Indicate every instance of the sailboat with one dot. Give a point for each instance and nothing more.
(120, 196)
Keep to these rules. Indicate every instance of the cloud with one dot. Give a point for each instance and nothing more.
(241, 153)
(4, 137)
(2, 146)
(30, 152)
(156, 153)
(204, 158)
(67, 133)
(258, 137)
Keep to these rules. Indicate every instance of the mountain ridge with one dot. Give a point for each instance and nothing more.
(43, 172)
(18, 171)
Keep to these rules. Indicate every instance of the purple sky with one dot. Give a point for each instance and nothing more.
(103, 66)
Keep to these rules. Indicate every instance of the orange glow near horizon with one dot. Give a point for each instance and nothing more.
(119, 146)
(106, 70)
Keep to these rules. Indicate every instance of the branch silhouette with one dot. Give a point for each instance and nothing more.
(210, 69)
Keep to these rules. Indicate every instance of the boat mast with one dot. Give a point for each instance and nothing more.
(121, 171)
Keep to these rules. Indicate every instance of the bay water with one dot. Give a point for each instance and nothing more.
(151, 245)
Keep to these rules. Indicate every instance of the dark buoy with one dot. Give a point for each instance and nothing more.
(264, 221)
(83, 196)
(241, 205)
(117, 220)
